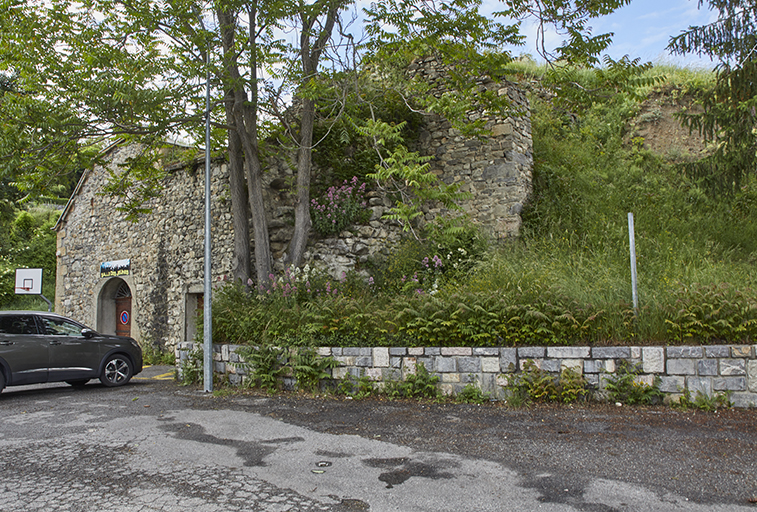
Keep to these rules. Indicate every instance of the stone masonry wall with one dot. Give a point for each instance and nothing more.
(708, 369)
(166, 249)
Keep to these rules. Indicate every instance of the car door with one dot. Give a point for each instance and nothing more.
(23, 349)
(71, 355)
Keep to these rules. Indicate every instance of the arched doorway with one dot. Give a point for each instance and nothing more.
(123, 310)
(114, 308)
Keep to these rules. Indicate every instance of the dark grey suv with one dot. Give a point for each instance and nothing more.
(45, 347)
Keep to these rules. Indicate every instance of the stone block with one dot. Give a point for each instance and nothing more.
(324, 351)
(701, 385)
(729, 367)
(550, 365)
(490, 364)
(508, 359)
(373, 373)
(646, 379)
(741, 351)
(707, 367)
(224, 352)
(537, 362)
(469, 364)
(219, 367)
(752, 373)
(381, 357)
(395, 362)
(457, 351)
(531, 352)
(568, 352)
(397, 351)
(427, 362)
(488, 383)
(447, 389)
(485, 351)
(345, 360)
(356, 351)
(432, 351)
(653, 359)
(445, 364)
(574, 364)
(717, 351)
(592, 380)
(594, 366)
(610, 365)
(681, 366)
(451, 377)
(684, 352)
(611, 352)
(336, 351)
(744, 400)
(636, 353)
(729, 384)
(408, 365)
(672, 384)
(415, 351)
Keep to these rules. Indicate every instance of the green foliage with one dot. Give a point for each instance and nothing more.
(267, 365)
(472, 394)
(191, 369)
(155, 355)
(418, 385)
(406, 176)
(703, 401)
(712, 314)
(339, 208)
(358, 388)
(728, 118)
(310, 368)
(533, 384)
(30, 243)
(624, 387)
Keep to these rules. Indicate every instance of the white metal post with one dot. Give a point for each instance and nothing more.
(632, 239)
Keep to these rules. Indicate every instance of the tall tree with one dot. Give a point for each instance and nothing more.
(729, 117)
(135, 69)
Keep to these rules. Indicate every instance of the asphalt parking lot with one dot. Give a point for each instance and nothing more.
(157, 446)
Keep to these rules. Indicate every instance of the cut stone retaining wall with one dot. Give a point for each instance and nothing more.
(708, 369)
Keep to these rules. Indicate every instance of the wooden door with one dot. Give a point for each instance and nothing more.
(123, 311)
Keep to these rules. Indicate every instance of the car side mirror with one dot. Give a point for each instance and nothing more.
(88, 333)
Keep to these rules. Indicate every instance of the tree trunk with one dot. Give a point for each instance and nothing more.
(310, 55)
(239, 205)
(302, 222)
(245, 126)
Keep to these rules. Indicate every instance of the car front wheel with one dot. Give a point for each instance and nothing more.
(117, 371)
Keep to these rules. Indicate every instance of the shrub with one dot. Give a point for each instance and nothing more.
(624, 387)
(339, 208)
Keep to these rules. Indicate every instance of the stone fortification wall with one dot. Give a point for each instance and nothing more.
(706, 369)
(165, 249)
(496, 169)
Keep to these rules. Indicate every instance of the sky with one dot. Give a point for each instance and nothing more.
(643, 29)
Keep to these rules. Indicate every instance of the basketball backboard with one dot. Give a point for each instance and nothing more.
(28, 281)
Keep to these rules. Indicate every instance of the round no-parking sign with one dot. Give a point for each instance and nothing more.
(124, 317)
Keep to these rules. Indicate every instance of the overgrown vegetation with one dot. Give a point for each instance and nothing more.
(534, 384)
(27, 240)
(567, 280)
(624, 386)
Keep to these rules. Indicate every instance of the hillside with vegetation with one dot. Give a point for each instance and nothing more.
(567, 280)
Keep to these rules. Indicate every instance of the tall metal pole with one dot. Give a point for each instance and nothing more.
(207, 299)
(632, 239)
